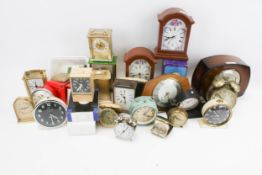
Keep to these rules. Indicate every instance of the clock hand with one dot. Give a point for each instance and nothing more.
(51, 118)
(80, 87)
(124, 130)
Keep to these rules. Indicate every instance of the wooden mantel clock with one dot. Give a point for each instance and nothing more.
(174, 32)
(140, 63)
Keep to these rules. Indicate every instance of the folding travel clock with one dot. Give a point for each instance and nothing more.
(174, 32)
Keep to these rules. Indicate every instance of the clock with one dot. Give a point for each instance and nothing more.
(50, 112)
(165, 88)
(125, 127)
(144, 110)
(162, 126)
(124, 93)
(108, 117)
(216, 112)
(206, 74)
(177, 117)
(174, 32)
(34, 79)
(23, 107)
(188, 100)
(140, 63)
(82, 85)
(100, 44)
(41, 93)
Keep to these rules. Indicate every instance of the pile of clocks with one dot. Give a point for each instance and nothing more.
(83, 95)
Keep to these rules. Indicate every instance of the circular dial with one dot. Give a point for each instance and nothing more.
(227, 95)
(50, 113)
(165, 92)
(140, 68)
(24, 108)
(174, 35)
(33, 84)
(177, 117)
(108, 117)
(189, 103)
(144, 115)
(100, 45)
(217, 115)
(81, 85)
(124, 131)
(40, 94)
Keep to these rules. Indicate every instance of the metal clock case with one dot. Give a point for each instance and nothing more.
(165, 88)
(144, 110)
(208, 68)
(216, 112)
(125, 127)
(41, 93)
(161, 126)
(100, 44)
(140, 63)
(177, 117)
(23, 107)
(50, 112)
(174, 32)
(124, 93)
(82, 85)
(34, 79)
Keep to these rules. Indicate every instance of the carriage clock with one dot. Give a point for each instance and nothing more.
(140, 63)
(220, 80)
(100, 44)
(174, 32)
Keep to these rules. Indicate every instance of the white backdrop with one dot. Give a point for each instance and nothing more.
(34, 31)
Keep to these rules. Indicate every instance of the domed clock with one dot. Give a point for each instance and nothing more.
(140, 63)
(174, 32)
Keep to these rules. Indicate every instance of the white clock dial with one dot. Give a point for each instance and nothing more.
(165, 92)
(33, 84)
(144, 115)
(189, 103)
(174, 35)
(100, 45)
(124, 97)
(140, 68)
(124, 131)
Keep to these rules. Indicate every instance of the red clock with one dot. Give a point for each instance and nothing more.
(174, 32)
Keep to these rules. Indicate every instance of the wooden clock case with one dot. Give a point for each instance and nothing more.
(163, 18)
(209, 67)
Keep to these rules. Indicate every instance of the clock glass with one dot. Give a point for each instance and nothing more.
(124, 97)
(33, 84)
(174, 35)
(100, 45)
(140, 68)
(217, 115)
(81, 85)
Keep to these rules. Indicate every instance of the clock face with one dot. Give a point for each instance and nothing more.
(81, 85)
(160, 129)
(165, 92)
(108, 117)
(40, 94)
(33, 84)
(144, 115)
(217, 115)
(178, 118)
(227, 95)
(189, 103)
(124, 131)
(24, 108)
(140, 68)
(100, 45)
(174, 35)
(50, 113)
(124, 97)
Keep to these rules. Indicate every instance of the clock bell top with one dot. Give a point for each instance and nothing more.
(173, 13)
(105, 33)
(140, 52)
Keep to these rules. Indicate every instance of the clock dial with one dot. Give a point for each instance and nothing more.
(108, 117)
(33, 84)
(124, 97)
(165, 92)
(225, 94)
(24, 108)
(144, 115)
(50, 113)
(81, 85)
(40, 94)
(189, 103)
(100, 45)
(174, 35)
(140, 68)
(177, 117)
(124, 131)
(217, 115)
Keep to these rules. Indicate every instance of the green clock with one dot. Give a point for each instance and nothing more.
(144, 110)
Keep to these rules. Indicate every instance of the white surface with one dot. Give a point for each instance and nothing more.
(34, 31)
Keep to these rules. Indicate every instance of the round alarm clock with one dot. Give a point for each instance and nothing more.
(216, 112)
(41, 93)
(188, 100)
(108, 117)
(144, 110)
(50, 112)
(177, 117)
